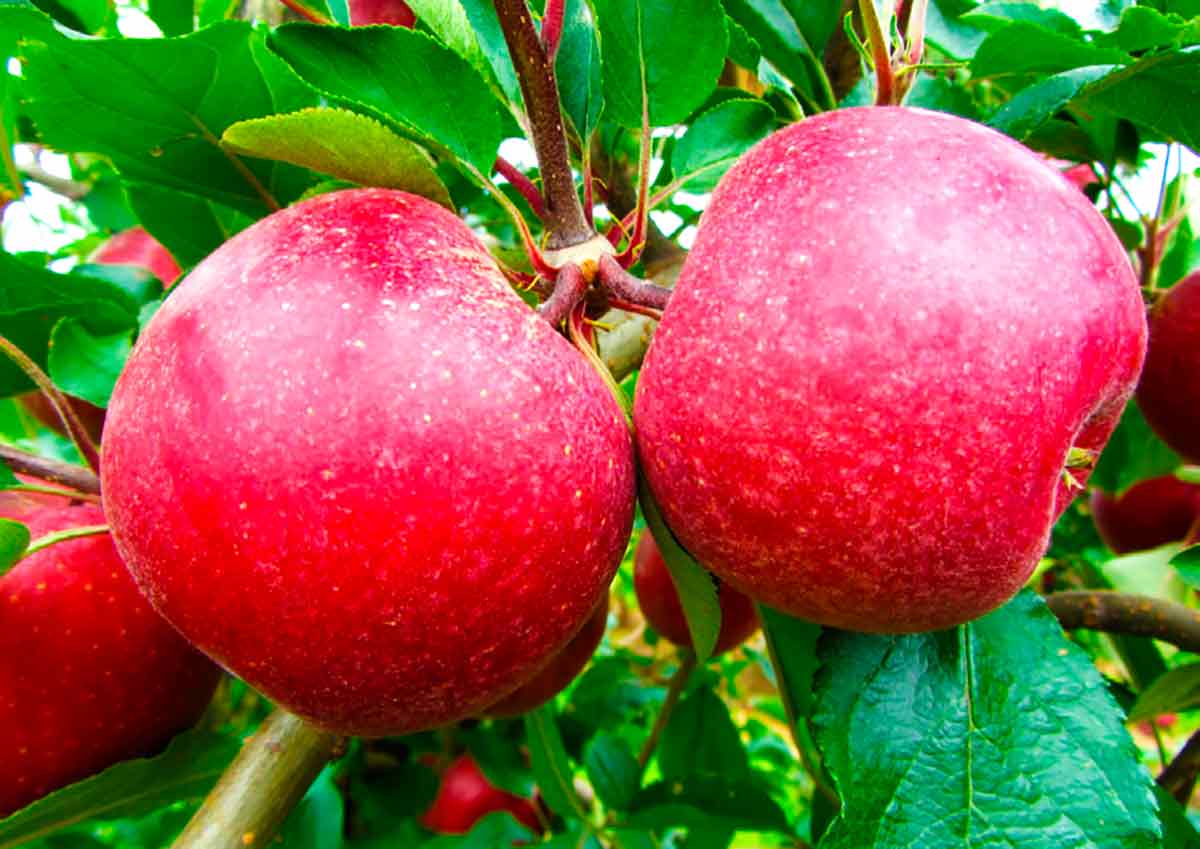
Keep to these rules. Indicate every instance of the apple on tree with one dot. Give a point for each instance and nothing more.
(878, 382)
(465, 796)
(1169, 391)
(562, 669)
(1150, 513)
(394, 12)
(412, 446)
(89, 673)
(659, 602)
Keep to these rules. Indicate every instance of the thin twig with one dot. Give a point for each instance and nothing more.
(1125, 613)
(54, 471)
(71, 423)
(1179, 776)
(687, 662)
(552, 26)
(564, 219)
(62, 536)
(269, 776)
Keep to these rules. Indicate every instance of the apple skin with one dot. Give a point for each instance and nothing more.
(350, 464)
(891, 330)
(1169, 392)
(394, 12)
(659, 602)
(1150, 513)
(138, 248)
(466, 796)
(89, 673)
(559, 672)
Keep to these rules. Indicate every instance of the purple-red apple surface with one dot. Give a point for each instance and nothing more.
(465, 796)
(1169, 391)
(1150, 513)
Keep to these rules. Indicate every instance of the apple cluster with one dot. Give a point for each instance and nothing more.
(896, 336)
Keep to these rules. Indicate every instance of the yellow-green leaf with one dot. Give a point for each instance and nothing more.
(342, 144)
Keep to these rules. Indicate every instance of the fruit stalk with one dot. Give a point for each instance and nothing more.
(54, 471)
(269, 776)
(565, 221)
(687, 662)
(1125, 613)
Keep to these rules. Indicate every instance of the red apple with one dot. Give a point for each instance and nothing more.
(1150, 513)
(466, 796)
(91, 416)
(395, 12)
(659, 602)
(559, 672)
(1169, 392)
(347, 461)
(89, 674)
(893, 329)
(138, 248)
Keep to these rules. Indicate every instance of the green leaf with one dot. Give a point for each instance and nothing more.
(1146, 573)
(317, 821)
(697, 592)
(84, 364)
(452, 24)
(669, 51)
(1149, 92)
(1133, 453)
(1032, 107)
(189, 90)
(499, 760)
(793, 646)
(485, 26)
(941, 95)
(1024, 48)
(551, 768)
(792, 36)
(497, 829)
(190, 227)
(997, 14)
(1143, 28)
(174, 17)
(999, 732)
(403, 76)
(14, 540)
(33, 300)
(342, 144)
(82, 15)
(707, 801)
(700, 738)
(1177, 690)
(188, 769)
(7, 478)
(717, 138)
(578, 65)
(612, 770)
(1178, 831)
(1187, 564)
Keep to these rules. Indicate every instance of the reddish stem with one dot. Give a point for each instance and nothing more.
(629, 306)
(522, 184)
(552, 26)
(54, 471)
(569, 290)
(306, 13)
(622, 285)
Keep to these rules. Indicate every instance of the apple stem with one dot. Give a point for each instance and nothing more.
(258, 790)
(71, 422)
(522, 184)
(565, 222)
(687, 662)
(569, 289)
(619, 283)
(54, 471)
(881, 58)
(1126, 613)
(1179, 776)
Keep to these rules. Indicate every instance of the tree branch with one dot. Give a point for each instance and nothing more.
(1179, 776)
(269, 776)
(1124, 613)
(55, 471)
(565, 222)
